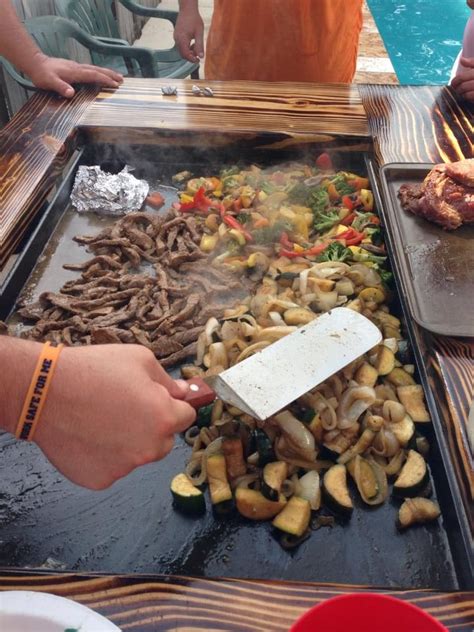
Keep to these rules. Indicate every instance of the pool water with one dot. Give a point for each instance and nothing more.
(422, 37)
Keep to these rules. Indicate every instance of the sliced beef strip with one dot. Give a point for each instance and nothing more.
(176, 259)
(33, 311)
(171, 237)
(179, 356)
(103, 261)
(104, 336)
(192, 229)
(164, 346)
(188, 335)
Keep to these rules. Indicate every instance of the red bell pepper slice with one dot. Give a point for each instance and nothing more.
(324, 162)
(309, 252)
(200, 203)
(351, 236)
(348, 202)
(285, 242)
(233, 223)
(291, 254)
(347, 221)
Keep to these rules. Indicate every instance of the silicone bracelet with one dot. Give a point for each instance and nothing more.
(37, 392)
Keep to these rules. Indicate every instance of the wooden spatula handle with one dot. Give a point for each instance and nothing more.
(199, 394)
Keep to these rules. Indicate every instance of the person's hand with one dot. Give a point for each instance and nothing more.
(110, 409)
(52, 73)
(189, 35)
(463, 82)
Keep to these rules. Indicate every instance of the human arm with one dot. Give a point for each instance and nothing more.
(109, 409)
(46, 72)
(189, 31)
(463, 82)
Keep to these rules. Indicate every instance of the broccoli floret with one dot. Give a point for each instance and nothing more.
(231, 171)
(386, 276)
(375, 235)
(299, 194)
(325, 220)
(340, 182)
(243, 218)
(366, 256)
(270, 234)
(335, 252)
(361, 221)
(318, 200)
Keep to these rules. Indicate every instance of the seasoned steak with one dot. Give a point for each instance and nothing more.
(446, 196)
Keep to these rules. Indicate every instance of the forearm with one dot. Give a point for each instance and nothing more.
(15, 43)
(17, 363)
(189, 5)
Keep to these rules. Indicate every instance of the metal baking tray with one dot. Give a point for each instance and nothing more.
(436, 266)
(132, 526)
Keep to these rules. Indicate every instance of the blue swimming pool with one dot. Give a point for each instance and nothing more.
(422, 37)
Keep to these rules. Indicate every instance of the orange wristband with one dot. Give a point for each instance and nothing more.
(38, 391)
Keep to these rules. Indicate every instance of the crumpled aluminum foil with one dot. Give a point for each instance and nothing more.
(106, 193)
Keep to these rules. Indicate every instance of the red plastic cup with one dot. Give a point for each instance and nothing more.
(366, 612)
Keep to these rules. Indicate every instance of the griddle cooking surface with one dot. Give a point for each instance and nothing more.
(132, 526)
(436, 266)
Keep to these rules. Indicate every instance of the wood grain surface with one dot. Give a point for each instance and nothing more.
(34, 147)
(418, 123)
(159, 604)
(237, 106)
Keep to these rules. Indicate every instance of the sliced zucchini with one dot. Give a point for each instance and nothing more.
(399, 377)
(366, 375)
(412, 398)
(315, 426)
(372, 295)
(273, 476)
(263, 446)
(403, 430)
(364, 441)
(417, 510)
(335, 490)
(294, 517)
(404, 353)
(333, 449)
(413, 476)
(234, 457)
(204, 416)
(253, 504)
(384, 360)
(391, 332)
(219, 487)
(187, 497)
(370, 479)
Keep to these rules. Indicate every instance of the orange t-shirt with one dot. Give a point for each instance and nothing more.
(284, 40)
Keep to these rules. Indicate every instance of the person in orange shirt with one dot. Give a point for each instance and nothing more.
(274, 40)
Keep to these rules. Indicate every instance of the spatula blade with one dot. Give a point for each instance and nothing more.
(274, 377)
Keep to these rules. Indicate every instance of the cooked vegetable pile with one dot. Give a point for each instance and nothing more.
(310, 238)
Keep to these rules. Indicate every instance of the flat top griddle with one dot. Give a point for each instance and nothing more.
(436, 266)
(132, 526)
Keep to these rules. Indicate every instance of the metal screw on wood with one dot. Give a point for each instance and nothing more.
(199, 92)
(169, 91)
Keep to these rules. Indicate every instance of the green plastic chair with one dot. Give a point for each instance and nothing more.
(51, 34)
(97, 18)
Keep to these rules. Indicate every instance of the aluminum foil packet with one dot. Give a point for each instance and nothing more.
(107, 194)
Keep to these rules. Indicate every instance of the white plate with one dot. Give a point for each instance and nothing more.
(28, 611)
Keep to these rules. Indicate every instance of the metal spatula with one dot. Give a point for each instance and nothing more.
(272, 378)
